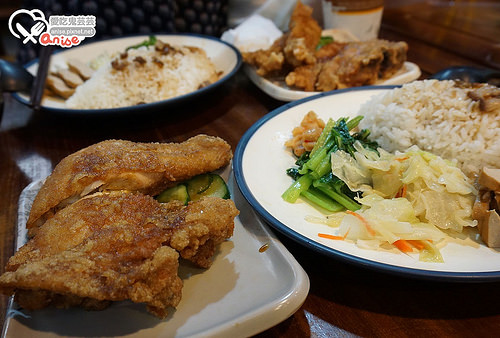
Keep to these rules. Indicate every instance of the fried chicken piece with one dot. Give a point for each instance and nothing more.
(304, 77)
(304, 35)
(123, 165)
(295, 48)
(200, 227)
(103, 248)
(114, 246)
(267, 61)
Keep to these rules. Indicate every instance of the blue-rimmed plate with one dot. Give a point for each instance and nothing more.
(226, 58)
(261, 160)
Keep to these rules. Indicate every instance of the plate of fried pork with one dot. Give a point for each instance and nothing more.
(99, 255)
(307, 60)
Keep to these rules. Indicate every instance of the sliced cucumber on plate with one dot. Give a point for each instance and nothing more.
(178, 192)
(196, 188)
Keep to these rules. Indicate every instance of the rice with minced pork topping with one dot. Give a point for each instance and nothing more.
(439, 117)
(145, 75)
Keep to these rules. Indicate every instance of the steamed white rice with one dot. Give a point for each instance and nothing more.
(438, 117)
(162, 76)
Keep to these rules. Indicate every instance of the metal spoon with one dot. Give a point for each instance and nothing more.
(468, 74)
(13, 78)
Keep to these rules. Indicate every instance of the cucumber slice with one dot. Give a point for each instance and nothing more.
(217, 187)
(199, 184)
(179, 193)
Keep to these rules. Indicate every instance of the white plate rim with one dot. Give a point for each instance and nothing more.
(23, 98)
(434, 275)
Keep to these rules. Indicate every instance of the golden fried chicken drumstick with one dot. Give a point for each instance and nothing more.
(115, 246)
(123, 165)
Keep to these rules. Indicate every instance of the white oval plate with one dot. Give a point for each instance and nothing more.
(244, 292)
(226, 58)
(261, 160)
(277, 88)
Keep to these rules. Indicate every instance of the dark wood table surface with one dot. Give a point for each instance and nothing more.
(344, 300)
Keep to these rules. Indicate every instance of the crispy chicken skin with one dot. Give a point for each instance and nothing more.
(200, 227)
(116, 246)
(124, 165)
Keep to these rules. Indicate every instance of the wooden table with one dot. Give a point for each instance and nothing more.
(344, 300)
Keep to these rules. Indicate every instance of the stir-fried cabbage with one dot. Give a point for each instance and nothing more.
(407, 196)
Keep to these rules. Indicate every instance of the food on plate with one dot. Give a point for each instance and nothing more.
(407, 196)
(56, 86)
(62, 82)
(80, 68)
(196, 188)
(124, 165)
(487, 95)
(409, 199)
(487, 206)
(359, 64)
(302, 38)
(148, 72)
(305, 136)
(73, 80)
(311, 62)
(116, 246)
(313, 179)
(441, 117)
(110, 235)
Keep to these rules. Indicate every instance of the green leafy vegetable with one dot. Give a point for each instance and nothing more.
(149, 42)
(313, 178)
(323, 41)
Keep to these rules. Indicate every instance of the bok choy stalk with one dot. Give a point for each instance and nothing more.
(313, 178)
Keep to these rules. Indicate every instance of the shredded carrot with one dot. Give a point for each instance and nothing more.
(401, 159)
(417, 244)
(402, 191)
(330, 236)
(403, 245)
(363, 220)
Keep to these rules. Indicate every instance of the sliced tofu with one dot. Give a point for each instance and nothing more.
(489, 227)
(490, 179)
(58, 86)
(71, 79)
(80, 68)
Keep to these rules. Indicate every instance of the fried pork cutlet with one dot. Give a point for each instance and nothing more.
(356, 64)
(304, 35)
(116, 246)
(123, 165)
(361, 64)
